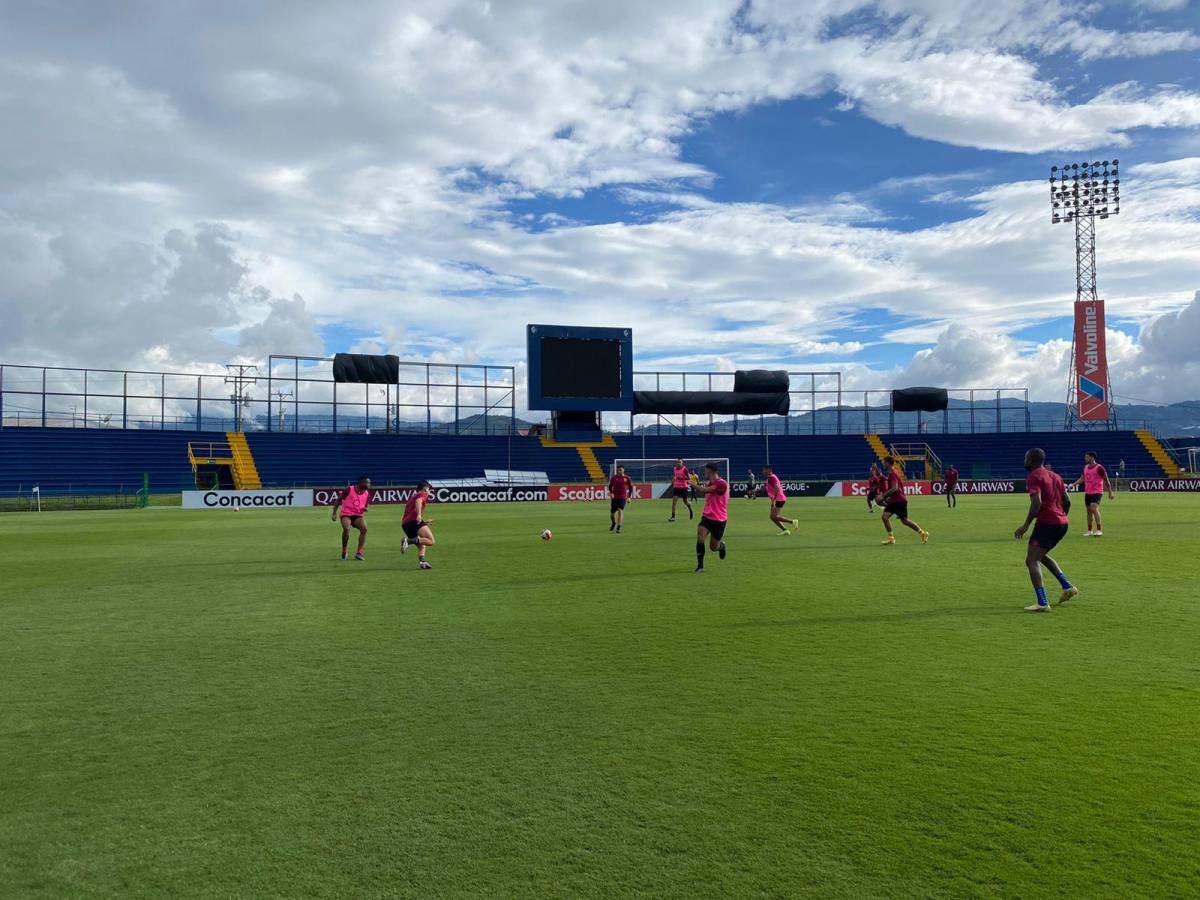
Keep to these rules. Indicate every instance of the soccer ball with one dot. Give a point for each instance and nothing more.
(546, 535)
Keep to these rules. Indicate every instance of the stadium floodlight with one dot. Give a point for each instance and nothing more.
(1082, 193)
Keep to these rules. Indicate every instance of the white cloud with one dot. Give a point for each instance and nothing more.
(361, 162)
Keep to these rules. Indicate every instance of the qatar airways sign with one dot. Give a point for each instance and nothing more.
(1091, 362)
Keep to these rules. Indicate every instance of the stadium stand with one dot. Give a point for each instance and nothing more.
(103, 459)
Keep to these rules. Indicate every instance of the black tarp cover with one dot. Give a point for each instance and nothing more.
(363, 368)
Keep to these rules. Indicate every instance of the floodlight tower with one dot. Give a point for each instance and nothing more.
(1081, 193)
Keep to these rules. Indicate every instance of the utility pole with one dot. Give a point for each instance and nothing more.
(241, 376)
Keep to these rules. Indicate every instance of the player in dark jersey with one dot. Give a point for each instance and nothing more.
(876, 485)
(952, 486)
(416, 526)
(751, 484)
(352, 502)
(620, 489)
(895, 503)
(1047, 495)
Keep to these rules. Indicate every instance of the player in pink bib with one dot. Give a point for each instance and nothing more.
(714, 517)
(778, 498)
(1094, 479)
(353, 503)
(679, 488)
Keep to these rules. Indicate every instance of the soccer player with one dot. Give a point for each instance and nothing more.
(416, 526)
(751, 485)
(1046, 496)
(353, 503)
(778, 498)
(895, 503)
(876, 484)
(714, 517)
(680, 479)
(1094, 479)
(620, 489)
(951, 486)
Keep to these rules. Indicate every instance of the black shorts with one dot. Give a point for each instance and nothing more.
(680, 492)
(1090, 499)
(898, 508)
(616, 503)
(355, 521)
(411, 528)
(871, 495)
(1047, 536)
(951, 487)
(779, 504)
(715, 528)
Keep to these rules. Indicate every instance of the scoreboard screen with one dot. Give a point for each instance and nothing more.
(576, 368)
(581, 367)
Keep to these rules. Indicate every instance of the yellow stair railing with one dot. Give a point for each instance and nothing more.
(245, 473)
(1155, 449)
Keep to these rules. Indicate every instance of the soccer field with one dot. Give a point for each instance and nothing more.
(210, 704)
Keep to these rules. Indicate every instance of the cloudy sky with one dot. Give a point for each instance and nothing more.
(824, 184)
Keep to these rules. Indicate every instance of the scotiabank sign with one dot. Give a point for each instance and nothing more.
(860, 488)
(247, 499)
(389, 496)
(641, 491)
(1187, 485)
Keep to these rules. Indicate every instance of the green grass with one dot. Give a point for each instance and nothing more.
(209, 704)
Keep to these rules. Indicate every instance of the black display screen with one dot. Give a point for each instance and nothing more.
(581, 368)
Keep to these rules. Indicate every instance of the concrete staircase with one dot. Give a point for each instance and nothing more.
(1155, 449)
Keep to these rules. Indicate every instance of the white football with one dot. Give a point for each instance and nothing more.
(546, 535)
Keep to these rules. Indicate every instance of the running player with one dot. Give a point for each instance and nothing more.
(680, 478)
(353, 503)
(778, 498)
(1094, 479)
(751, 484)
(620, 489)
(876, 485)
(895, 503)
(1046, 495)
(951, 486)
(714, 517)
(416, 526)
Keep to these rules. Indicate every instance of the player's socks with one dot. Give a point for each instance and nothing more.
(612, 526)
(1062, 580)
(699, 556)
(721, 550)
(618, 529)
(691, 515)
(1040, 592)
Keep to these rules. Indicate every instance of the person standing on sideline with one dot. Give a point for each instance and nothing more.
(1047, 495)
(1094, 479)
(751, 485)
(620, 489)
(352, 502)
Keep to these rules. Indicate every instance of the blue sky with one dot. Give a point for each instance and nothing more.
(829, 184)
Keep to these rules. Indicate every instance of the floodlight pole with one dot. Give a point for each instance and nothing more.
(1081, 192)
